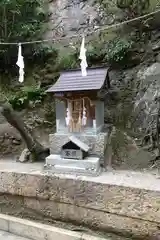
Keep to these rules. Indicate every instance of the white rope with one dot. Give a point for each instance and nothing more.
(91, 32)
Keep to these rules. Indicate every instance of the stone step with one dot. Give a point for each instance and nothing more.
(58, 169)
(37, 231)
(9, 236)
(88, 166)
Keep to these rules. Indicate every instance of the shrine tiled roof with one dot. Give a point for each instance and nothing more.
(73, 80)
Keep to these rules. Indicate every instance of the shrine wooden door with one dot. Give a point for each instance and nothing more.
(77, 115)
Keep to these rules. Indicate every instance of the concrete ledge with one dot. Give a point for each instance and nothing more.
(34, 230)
(118, 201)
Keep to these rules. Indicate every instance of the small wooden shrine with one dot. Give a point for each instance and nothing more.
(79, 143)
(78, 108)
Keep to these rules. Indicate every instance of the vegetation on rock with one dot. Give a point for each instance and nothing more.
(134, 8)
(113, 52)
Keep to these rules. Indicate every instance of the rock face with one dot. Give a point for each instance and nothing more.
(69, 17)
(149, 89)
(133, 110)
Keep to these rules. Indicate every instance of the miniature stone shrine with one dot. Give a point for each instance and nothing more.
(79, 143)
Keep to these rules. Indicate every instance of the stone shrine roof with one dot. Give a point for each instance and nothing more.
(72, 80)
(79, 143)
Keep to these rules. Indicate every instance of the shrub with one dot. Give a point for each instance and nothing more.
(96, 53)
(22, 98)
(134, 8)
(118, 50)
(66, 61)
(22, 21)
(44, 52)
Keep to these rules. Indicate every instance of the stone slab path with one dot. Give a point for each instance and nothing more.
(9, 236)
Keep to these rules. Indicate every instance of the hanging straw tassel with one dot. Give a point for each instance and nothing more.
(68, 113)
(79, 124)
(20, 64)
(82, 56)
(84, 118)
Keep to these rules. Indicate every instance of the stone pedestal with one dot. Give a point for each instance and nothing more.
(87, 166)
(96, 142)
(90, 165)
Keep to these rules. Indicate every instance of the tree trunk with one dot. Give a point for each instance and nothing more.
(38, 152)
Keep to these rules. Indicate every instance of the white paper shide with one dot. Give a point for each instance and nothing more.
(82, 56)
(20, 64)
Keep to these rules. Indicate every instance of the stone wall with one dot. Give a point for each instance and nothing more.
(95, 202)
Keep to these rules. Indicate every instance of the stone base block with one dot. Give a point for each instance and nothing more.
(87, 166)
(96, 142)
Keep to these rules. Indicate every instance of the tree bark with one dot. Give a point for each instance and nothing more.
(38, 152)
